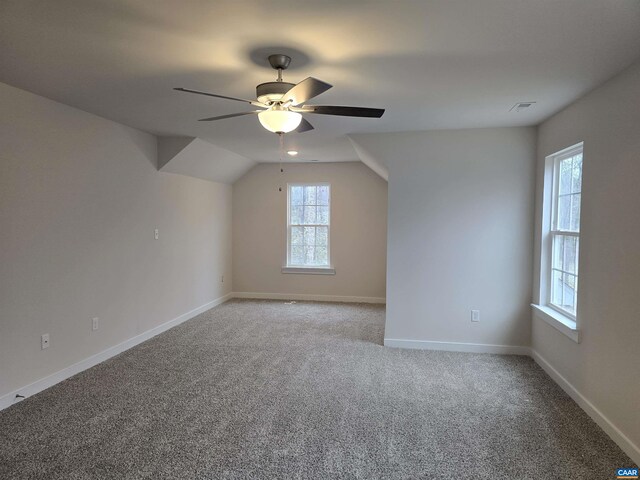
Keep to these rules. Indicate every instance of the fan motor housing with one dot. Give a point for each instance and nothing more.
(271, 92)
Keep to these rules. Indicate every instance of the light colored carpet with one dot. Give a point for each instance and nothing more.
(261, 389)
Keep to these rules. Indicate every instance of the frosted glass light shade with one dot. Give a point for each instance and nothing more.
(279, 121)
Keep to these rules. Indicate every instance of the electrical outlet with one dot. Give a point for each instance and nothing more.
(221, 278)
(475, 315)
(95, 323)
(44, 341)
(156, 234)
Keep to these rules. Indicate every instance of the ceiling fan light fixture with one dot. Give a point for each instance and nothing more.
(284, 102)
(279, 121)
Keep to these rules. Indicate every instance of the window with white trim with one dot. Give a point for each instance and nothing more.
(308, 225)
(564, 231)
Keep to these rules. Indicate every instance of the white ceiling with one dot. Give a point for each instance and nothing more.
(432, 64)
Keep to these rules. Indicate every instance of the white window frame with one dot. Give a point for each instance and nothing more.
(308, 269)
(561, 319)
(554, 231)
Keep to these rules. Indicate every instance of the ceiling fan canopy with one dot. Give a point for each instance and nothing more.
(282, 104)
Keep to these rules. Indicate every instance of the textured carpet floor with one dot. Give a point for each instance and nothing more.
(260, 389)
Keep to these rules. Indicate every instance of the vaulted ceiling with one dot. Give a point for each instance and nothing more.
(432, 64)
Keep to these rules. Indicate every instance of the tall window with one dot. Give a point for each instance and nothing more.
(308, 223)
(565, 230)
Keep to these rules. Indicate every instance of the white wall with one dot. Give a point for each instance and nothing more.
(460, 235)
(80, 198)
(605, 366)
(358, 231)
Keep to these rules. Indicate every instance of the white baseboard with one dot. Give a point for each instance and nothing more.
(457, 347)
(306, 297)
(57, 377)
(596, 415)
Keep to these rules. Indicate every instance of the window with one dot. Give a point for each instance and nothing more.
(556, 301)
(308, 225)
(564, 234)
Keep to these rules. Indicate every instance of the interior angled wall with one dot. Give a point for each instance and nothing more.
(80, 198)
(460, 237)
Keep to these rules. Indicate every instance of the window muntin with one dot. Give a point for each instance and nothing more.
(565, 230)
(308, 224)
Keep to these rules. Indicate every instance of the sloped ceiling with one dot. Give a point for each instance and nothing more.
(198, 158)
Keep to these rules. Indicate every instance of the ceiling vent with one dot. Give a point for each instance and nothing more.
(520, 106)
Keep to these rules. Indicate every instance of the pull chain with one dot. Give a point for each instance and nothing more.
(281, 135)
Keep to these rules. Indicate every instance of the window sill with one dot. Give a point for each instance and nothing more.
(310, 270)
(557, 320)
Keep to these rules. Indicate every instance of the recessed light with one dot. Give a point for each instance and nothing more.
(293, 153)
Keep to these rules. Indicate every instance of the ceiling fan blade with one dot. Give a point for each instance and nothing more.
(231, 115)
(304, 126)
(308, 88)
(342, 111)
(198, 92)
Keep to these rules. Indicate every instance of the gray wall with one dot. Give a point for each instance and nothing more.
(460, 234)
(358, 231)
(80, 198)
(605, 366)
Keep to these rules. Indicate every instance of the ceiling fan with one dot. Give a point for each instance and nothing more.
(282, 104)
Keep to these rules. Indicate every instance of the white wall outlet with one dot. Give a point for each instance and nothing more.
(221, 278)
(475, 315)
(95, 323)
(156, 234)
(44, 341)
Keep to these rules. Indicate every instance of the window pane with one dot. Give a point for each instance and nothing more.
(309, 236)
(564, 291)
(577, 174)
(575, 213)
(564, 212)
(309, 195)
(296, 196)
(309, 254)
(321, 256)
(297, 255)
(296, 215)
(323, 215)
(309, 215)
(569, 294)
(297, 235)
(570, 254)
(564, 176)
(322, 235)
(323, 195)
(558, 252)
